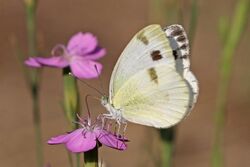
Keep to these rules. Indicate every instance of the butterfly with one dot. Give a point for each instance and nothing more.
(151, 83)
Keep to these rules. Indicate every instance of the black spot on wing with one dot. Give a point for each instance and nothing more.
(175, 54)
(153, 75)
(178, 41)
(176, 31)
(156, 55)
(184, 56)
(184, 46)
(181, 38)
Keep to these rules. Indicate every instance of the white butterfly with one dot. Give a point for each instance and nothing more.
(151, 83)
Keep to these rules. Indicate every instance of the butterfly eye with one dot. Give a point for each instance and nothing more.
(104, 100)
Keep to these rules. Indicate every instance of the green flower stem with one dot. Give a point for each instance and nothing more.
(71, 97)
(168, 139)
(91, 158)
(230, 43)
(168, 135)
(37, 126)
(30, 8)
(70, 158)
(71, 103)
(163, 12)
(78, 160)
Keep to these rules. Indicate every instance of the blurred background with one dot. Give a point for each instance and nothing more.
(115, 22)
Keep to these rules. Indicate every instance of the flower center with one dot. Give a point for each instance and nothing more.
(61, 50)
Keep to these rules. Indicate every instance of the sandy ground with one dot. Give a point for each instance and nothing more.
(115, 23)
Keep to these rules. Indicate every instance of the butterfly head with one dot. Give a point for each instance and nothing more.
(104, 100)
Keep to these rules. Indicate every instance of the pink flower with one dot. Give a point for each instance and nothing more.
(85, 138)
(80, 54)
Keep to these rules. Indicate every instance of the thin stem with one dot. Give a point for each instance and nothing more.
(30, 8)
(71, 97)
(20, 55)
(168, 139)
(91, 158)
(37, 126)
(78, 160)
(168, 135)
(193, 21)
(70, 159)
(31, 28)
(230, 43)
(71, 102)
(180, 11)
(158, 10)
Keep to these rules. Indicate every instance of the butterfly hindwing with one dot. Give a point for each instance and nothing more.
(156, 96)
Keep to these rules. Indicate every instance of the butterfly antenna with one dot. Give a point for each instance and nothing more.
(87, 104)
(87, 84)
(99, 79)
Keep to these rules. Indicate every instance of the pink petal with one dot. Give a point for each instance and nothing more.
(83, 68)
(110, 140)
(32, 62)
(82, 43)
(59, 139)
(54, 61)
(80, 141)
(96, 54)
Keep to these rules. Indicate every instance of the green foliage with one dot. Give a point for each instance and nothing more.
(230, 35)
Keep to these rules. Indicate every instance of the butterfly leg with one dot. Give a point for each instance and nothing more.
(119, 127)
(105, 117)
(125, 127)
(115, 130)
(102, 119)
(109, 125)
